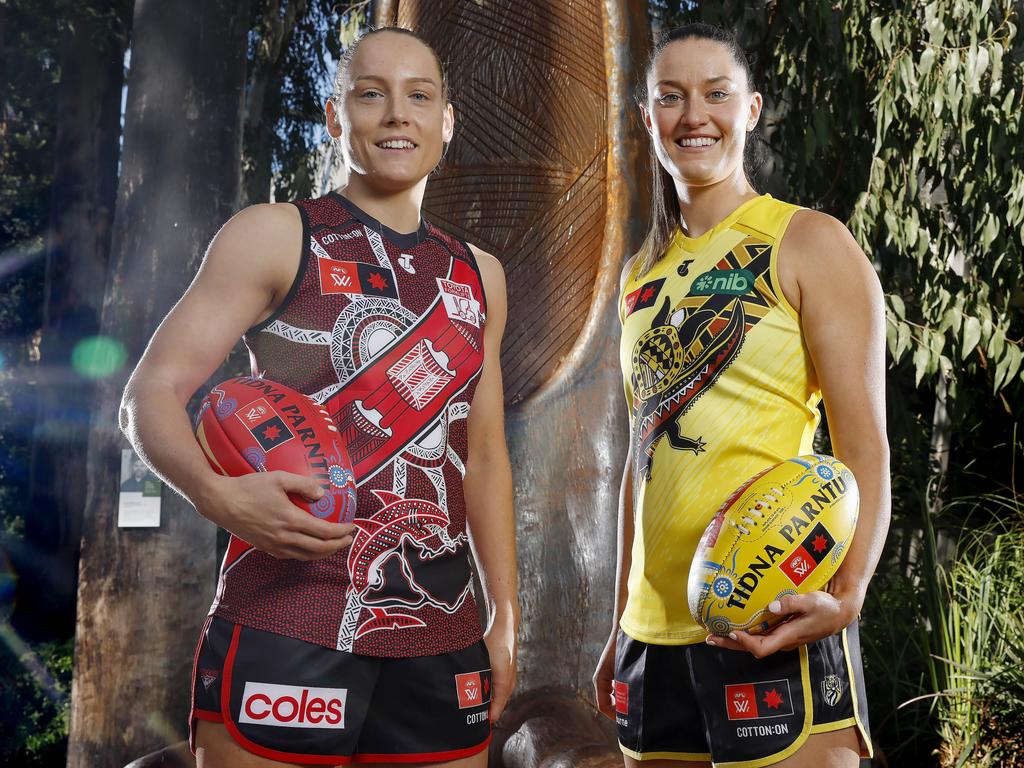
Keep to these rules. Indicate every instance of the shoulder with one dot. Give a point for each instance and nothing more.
(490, 268)
(262, 224)
(493, 276)
(820, 253)
(627, 271)
(813, 234)
(262, 242)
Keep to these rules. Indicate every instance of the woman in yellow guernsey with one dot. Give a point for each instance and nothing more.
(802, 309)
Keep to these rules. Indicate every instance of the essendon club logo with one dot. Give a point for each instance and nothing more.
(812, 550)
(621, 693)
(644, 296)
(753, 701)
(265, 425)
(290, 706)
(473, 688)
(356, 277)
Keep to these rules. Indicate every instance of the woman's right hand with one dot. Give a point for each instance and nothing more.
(256, 508)
(603, 676)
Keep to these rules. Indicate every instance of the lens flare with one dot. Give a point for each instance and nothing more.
(97, 357)
(8, 584)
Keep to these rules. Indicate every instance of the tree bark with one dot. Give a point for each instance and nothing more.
(143, 592)
(86, 152)
(548, 170)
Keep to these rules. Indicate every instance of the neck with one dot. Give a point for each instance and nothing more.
(701, 208)
(397, 210)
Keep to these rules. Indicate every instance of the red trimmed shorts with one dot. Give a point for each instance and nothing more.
(292, 701)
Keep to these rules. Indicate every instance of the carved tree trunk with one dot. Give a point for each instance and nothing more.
(548, 172)
(77, 248)
(143, 592)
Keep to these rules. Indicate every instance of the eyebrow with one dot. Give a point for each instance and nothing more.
(378, 78)
(709, 81)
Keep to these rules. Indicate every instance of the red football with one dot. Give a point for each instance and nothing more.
(250, 424)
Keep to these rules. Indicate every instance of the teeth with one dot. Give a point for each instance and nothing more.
(396, 145)
(700, 142)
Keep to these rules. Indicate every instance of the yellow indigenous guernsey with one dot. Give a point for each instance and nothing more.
(720, 385)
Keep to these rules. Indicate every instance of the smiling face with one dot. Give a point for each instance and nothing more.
(391, 115)
(699, 110)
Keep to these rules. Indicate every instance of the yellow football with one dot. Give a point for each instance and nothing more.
(784, 531)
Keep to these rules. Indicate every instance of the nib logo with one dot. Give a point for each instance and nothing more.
(473, 688)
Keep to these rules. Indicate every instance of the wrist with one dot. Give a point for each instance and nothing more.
(206, 489)
(851, 600)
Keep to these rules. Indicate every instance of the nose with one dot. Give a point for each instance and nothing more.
(694, 113)
(396, 114)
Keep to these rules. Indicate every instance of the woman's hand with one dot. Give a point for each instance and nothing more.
(500, 640)
(256, 509)
(812, 617)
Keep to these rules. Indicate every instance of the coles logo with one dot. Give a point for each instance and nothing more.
(291, 706)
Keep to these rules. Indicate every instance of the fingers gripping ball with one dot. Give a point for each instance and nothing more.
(250, 424)
(784, 531)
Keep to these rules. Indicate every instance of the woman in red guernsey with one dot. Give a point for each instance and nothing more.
(394, 327)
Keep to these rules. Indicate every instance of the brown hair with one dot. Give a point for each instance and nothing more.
(665, 213)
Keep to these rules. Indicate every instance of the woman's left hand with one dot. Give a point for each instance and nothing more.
(812, 616)
(500, 640)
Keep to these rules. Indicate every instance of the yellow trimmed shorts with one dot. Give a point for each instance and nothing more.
(695, 702)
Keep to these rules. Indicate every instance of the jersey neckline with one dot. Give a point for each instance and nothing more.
(401, 239)
(694, 244)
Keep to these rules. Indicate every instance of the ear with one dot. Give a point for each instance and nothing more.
(333, 119)
(756, 105)
(646, 115)
(448, 123)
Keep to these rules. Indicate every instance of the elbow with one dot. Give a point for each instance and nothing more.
(124, 415)
(126, 409)
(867, 450)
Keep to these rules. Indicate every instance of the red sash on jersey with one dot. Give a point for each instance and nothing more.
(405, 389)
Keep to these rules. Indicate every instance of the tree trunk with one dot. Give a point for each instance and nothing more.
(260, 112)
(78, 244)
(548, 171)
(143, 592)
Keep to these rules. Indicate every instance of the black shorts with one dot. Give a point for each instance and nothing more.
(292, 701)
(695, 702)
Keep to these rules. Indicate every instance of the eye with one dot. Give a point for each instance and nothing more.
(371, 93)
(420, 96)
(669, 99)
(718, 95)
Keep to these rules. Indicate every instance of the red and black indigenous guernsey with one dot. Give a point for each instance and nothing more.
(385, 331)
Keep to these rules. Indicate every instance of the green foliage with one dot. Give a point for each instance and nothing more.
(35, 684)
(28, 107)
(293, 49)
(978, 642)
(945, 196)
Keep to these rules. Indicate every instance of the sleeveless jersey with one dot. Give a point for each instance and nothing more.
(385, 331)
(720, 386)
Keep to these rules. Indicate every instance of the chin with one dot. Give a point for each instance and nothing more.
(395, 182)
